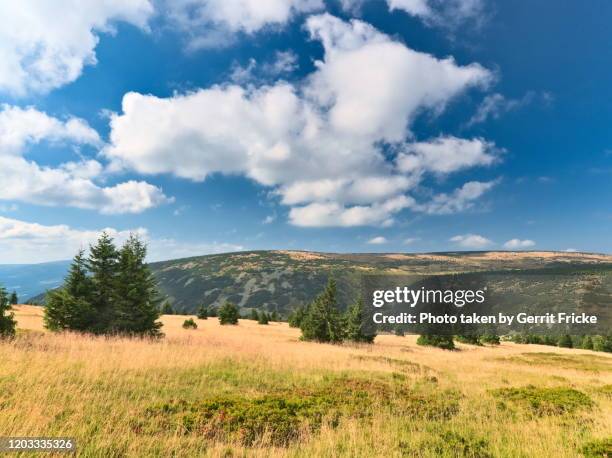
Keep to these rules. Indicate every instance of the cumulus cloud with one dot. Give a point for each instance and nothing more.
(319, 144)
(25, 242)
(517, 244)
(377, 241)
(70, 183)
(471, 241)
(44, 45)
(211, 23)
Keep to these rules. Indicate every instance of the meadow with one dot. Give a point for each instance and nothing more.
(252, 390)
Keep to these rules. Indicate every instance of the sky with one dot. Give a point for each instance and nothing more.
(210, 126)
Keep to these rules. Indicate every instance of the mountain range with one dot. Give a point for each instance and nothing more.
(280, 280)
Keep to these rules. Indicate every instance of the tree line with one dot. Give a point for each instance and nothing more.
(110, 291)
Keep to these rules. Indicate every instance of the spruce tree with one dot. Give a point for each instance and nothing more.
(7, 320)
(14, 300)
(297, 316)
(102, 263)
(354, 318)
(322, 321)
(274, 317)
(135, 297)
(228, 313)
(254, 315)
(70, 307)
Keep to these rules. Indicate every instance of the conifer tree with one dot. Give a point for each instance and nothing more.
(69, 307)
(274, 317)
(587, 343)
(102, 263)
(7, 320)
(14, 300)
(136, 299)
(565, 341)
(167, 309)
(297, 316)
(254, 315)
(322, 321)
(354, 323)
(228, 313)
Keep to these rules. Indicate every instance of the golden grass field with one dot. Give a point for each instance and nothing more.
(107, 393)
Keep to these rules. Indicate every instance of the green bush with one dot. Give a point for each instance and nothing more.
(202, 313)
(190, 324)
(471, 339)
(444, 342)
(263, 318)
(490, 339)
(587, 343)
(565, 341)
(228, 314)
(600, 448)
(254, 315)
(545, 401)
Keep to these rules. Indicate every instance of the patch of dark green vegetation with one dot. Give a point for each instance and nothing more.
(285, 416)
(454, 444)
(590, 363)
(544, 401)
(600, 448)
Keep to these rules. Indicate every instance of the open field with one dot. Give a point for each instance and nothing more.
(253, 390)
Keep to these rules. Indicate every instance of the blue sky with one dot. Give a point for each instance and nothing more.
(374, 125)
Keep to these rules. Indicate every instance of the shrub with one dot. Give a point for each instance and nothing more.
(600, 448)
(263, 318)
(602, 343)
(546, 401)
(274, 317)
(167, 309)
(228, 314)
(202, 313)
(254, 315)
(190, 324)
(471, 339)
(565, 341)
(587, 343)
(490, 339)
(439, 341)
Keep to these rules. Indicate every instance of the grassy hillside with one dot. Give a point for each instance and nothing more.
(277, 280)
(254, 390)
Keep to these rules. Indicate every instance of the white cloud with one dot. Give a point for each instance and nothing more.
(571, 250)
(269, 219)
(70, 183)
(410, 240)
(493, 106)
(25, 242)
(377, 241)
(46, 44)
(460, 200)
(211, 23)
(447, 154)
(517, 244)
(442, 13)
(319, 144)
(471, 241)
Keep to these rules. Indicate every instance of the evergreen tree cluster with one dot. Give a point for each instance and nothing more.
(228, 314)
(322, 321)
(586, 342)
(7, 320)
(111, 291)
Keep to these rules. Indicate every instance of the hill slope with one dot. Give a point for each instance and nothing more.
(278, 280)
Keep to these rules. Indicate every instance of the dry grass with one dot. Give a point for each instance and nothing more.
(95, 388)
